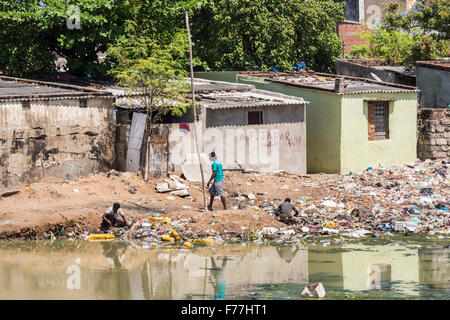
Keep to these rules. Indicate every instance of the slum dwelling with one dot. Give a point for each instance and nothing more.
(246, 127)
(51, 129)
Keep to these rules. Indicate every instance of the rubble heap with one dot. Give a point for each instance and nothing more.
(378, 202)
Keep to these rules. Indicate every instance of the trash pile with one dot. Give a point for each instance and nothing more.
(174, 186)
(414, 198)
(161, 230)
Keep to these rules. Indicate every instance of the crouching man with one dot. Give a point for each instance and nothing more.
(110, 218)
(284, 211)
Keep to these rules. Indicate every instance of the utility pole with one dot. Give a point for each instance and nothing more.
(195, 110)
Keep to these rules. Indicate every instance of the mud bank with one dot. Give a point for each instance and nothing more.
(412, 199)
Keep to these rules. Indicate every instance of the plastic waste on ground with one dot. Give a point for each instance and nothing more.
(316, 290)
(101, 237)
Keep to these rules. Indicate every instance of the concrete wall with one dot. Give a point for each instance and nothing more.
(239, 116)
(434, 134)
(54, 138)
(354, 69)
(358, 153)
(351, 9)
(434, 86)
(278, 144)
(274, 146)
(122, 136)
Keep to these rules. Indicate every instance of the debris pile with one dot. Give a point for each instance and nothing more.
(162, 230)
(175, 186)
(413, 198)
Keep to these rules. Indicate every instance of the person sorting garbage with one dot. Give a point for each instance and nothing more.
(110, 218)
(216, 189)
(284, 211)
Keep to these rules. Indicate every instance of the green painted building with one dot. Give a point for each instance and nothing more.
(352, 123)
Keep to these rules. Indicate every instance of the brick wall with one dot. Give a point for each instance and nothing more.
(348, 32)
(433, 134)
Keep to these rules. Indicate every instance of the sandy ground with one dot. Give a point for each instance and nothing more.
(51, 204)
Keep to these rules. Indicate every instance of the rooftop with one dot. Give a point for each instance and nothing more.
(25, 89)
(216, 95)
(327, 82)
(443, 64)
(221, 95)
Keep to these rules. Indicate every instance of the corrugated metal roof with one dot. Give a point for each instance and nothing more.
(73, 97)
(217, 95)
(326, 82)
(25, 89)
(248, 99)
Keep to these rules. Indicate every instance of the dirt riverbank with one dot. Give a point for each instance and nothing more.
(411, 198)
(52, 205)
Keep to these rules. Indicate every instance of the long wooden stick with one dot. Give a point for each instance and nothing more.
(195, 111)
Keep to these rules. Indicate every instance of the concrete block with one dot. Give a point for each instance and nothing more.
(439, 155)
(430, 128)
(191, 168)
(435, 148)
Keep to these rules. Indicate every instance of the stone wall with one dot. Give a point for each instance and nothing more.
(58, 138)
(433, 134)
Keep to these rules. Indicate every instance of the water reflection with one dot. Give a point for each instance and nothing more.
(119, 270)
(287, 252)
(217, 278)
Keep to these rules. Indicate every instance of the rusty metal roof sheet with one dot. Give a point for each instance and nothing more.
(25, 89)
(326, 82)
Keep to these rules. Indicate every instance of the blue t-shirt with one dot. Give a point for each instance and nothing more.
(217, 166)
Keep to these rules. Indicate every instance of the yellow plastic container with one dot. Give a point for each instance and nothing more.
(331, 224)
(175, 234)
(167, 237)
(207, 240)
(157, 219)
(187, 244)
(101, 237)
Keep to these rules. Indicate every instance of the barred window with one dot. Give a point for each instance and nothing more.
(83, 103)
(26, 104)
(255, 117)
(378, 116)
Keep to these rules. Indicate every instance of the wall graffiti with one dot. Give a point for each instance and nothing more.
(276, 139)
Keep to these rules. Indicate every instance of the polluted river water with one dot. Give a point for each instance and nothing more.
(65, 269)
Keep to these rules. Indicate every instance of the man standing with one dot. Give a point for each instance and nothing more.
(216, 189)
(285, 211)
(109, 218)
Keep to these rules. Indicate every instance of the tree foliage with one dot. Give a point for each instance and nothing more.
(31, 30)
(154, 72)
(406, 37)
(247, 34)
(227, 35)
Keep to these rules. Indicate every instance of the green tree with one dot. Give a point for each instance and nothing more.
(32, 30)
(432, 17)
(406, 37)
(154, 72)
(26, 39)
(244, 34)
